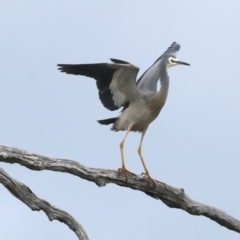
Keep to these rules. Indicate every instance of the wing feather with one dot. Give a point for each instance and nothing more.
(101, 72)
(116, 82)
(123, 85)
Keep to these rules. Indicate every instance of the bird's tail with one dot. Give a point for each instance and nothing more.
(108, 121)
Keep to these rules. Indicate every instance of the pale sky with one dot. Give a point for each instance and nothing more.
(193, 144)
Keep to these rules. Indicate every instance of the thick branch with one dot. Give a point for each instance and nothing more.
(172, 197)
(24, 194)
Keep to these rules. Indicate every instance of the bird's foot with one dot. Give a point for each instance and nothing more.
(125, 172)
(149, 179)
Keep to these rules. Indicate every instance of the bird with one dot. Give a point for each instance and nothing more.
(139, 100)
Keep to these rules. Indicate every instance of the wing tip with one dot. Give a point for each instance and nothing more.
(114, 60)
(62, 68)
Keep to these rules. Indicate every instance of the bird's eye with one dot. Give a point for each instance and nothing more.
(172, 60)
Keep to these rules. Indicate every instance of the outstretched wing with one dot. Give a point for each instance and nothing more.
(104, 73)
(123, 85)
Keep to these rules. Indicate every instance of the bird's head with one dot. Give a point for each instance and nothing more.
(172, 61)
(169, 57)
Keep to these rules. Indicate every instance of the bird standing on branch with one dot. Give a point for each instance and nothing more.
(140, 101)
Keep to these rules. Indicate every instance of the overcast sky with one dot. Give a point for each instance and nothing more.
(193, 144)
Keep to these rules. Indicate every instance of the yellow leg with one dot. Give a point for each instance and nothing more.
(123, 168)
(146, 173)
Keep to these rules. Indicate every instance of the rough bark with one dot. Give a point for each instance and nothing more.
(171, 196)
(24, 194)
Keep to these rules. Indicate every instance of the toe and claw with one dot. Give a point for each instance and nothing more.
(128, 173)
(125, 172)
(149, 179)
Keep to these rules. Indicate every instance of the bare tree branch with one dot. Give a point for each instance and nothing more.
(171, 196)
(24, 194)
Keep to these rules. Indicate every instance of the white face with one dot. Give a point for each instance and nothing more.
(172, 62)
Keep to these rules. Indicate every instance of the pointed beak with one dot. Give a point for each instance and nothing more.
(182, 63)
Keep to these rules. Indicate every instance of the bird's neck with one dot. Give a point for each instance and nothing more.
(164, 79)
(157, 102)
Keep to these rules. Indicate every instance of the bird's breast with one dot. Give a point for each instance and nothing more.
(137, 114)
(156, 104)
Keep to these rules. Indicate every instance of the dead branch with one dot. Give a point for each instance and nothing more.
(171, 196)
(24, 194)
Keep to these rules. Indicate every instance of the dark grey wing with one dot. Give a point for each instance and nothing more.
(119, 61)
(102, 73)
(173, 49)
(123, 85)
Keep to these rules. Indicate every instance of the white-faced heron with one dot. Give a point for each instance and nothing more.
(140, 101)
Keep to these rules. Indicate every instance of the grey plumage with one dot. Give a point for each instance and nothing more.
(139, 100)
